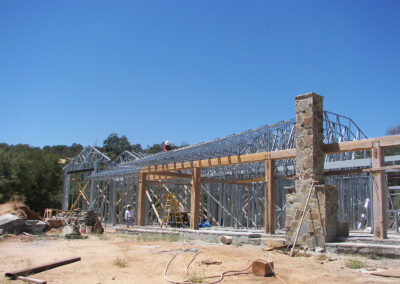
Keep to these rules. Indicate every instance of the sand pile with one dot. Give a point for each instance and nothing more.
(19, 209)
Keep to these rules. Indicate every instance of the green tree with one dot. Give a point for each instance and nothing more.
(115, 145)
(31, 173)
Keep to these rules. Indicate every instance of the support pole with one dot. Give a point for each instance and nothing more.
(269, 205)
(65, 201)
(379, 192)
(195, 199)
(141, 200)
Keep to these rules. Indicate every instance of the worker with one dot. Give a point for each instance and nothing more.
(167, 146)
(129, 216)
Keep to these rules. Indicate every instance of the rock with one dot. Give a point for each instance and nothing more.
(35, 227)
(11, 224)
(242, 240)
(67, 230)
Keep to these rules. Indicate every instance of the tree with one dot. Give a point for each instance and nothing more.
(393, 150)
(31, 174)
(156, 148)
(393, 130)
(114, 145)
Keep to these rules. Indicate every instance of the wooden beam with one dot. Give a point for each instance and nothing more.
(233, 181)
(40, 268)
(31, 280)
(364, 144)
(382, 168)
(161, 182)
(154, 208)
(223, 161)
(195, 199)
(379, 192)
(141, 200)
(166, 175)
(269, 206)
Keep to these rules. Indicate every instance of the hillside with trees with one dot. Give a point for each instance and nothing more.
(35, 175)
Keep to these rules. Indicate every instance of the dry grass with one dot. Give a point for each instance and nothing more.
(121, 263)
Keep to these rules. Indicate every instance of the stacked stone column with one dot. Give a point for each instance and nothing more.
(320, 222)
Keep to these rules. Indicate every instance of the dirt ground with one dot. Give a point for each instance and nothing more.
(115, 258)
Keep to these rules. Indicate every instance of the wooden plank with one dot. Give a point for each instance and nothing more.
(269, 206)
(141, 200)
(31, 280)
(166, 174)
(154, 208)
(195, 199)
(233, 181)
(80, 194)
(161, 182)
(382, 168)
(379, 193)
(364, 144)
(223, 161)
(40, 268)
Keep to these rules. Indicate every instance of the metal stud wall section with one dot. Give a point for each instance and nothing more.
(222, 204)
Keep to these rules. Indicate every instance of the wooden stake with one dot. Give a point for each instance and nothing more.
(302, 219)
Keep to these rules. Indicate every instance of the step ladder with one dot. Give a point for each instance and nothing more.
(173, 204)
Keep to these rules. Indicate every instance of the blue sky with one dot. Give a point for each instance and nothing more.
(191, 71)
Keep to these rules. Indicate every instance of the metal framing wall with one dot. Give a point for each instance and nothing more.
(224, 201)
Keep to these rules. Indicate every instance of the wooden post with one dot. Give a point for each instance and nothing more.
(269, 217)
(141, 200)
(379, 192)
(195, 199)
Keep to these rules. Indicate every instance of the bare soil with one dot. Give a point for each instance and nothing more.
(114, 258)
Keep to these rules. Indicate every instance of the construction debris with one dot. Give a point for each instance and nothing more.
(40, 268)
(85, 222)
(31, 280)
(208, 262)
(226, 240)
(18, 209)
(12, 224)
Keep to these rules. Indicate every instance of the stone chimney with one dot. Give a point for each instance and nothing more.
(320, 222)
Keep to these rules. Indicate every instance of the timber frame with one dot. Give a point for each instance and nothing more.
(377, 145)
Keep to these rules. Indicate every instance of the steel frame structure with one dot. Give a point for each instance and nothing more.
(224, 202)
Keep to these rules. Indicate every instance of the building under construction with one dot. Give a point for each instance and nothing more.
(317, 174)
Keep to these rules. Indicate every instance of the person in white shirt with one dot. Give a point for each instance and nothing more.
(129, 216)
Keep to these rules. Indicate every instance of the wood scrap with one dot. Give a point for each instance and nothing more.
(31, 280)
(275, 248)
(208, 262)
(40, 268)
(388, 273)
